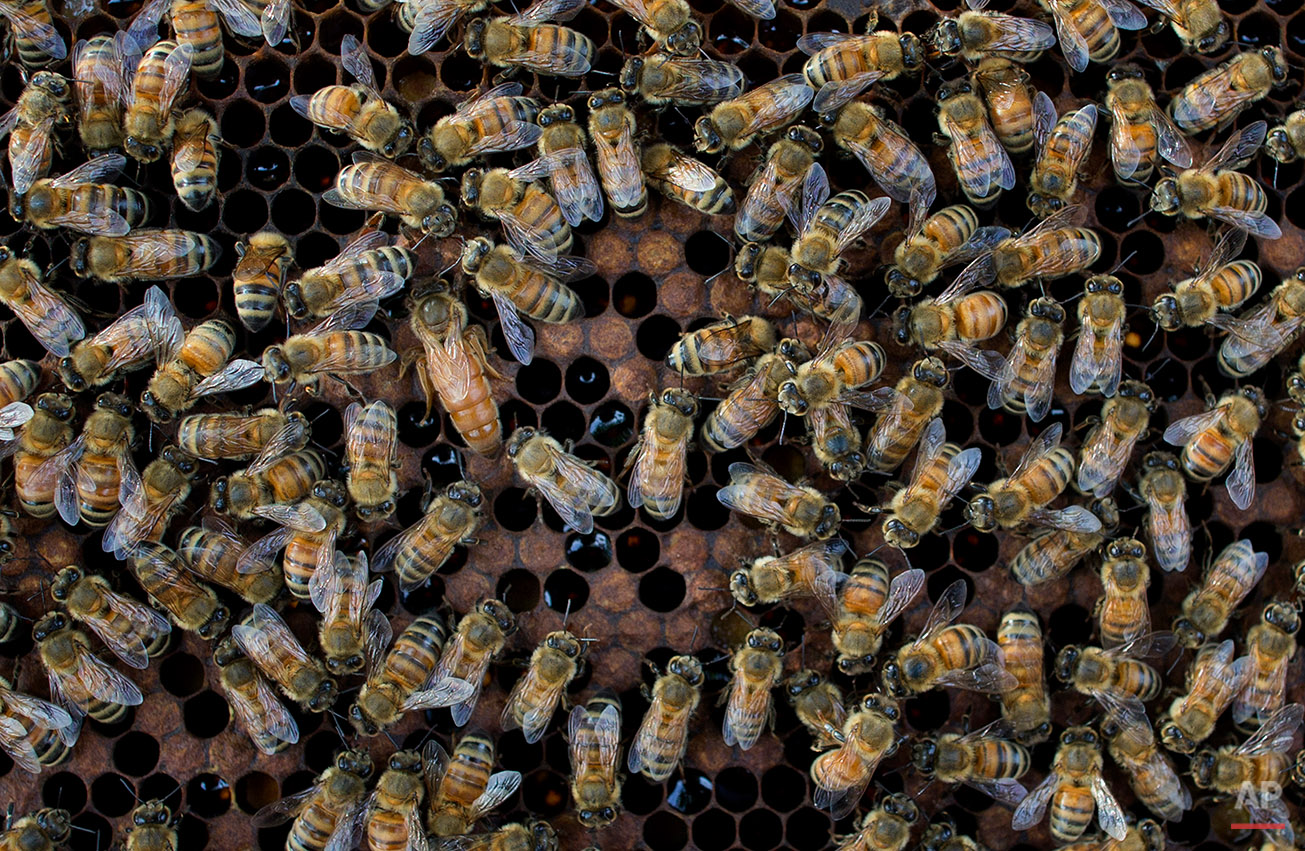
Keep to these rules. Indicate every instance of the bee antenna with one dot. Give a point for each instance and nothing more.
(693, 637)
(391, 738)
(1138, 218)
(1121, 263)
(132, 789)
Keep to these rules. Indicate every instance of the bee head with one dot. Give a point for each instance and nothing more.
(276, 366)
(847, 467)
(1173, 738)
(946, 37)
(881, 704)
(891, 678)
(629, 78)
(1255, 396)
(501, 614)
(558, 113)
(368, 513)
(803, 278)
(902, 285)
(1283, 616)
(681, 400)
(1037, 734)
(802, 681)
(1048, 309)
(912, 51)
(830, 520)
(327, 692)
(151, 812)
(294, 300)
(931, 370)
(178, 458)
(474, 42)
(1276, 143)
(687, 668)
(686, 40)
(1165, 198)
(466, 492)
(226, 652)
(72, 379)
(399, 143)
(1153, 836)
(981, 513)
(924, 755)
(597, 818)
(706, 138)
(146, 152)
(441, 222)
(519, 439)
(218, 493)
(853, 666)
(64, 580)
(765, 639)
(544, 837)
(406, 761)
(356, 762)
(745, 262)
(338, 666)
(806, 137)
(1203, 768)
(363, 723)
(1066, 663)
(17, 208)
(331, 492)
(565, 642)
(216, 623)
(430, 156)
(791, 400)
(49, 625)
(741, 588)
(899, 535)
(474, 254)
(901, 806)
(56, 823)
(1166, 313)
(1277, 64)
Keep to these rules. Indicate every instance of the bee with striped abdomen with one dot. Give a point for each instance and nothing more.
(480, 636)
(613, 127)
(259, 277)
(1098, 355)
(1164, 491)
(563, 159)
(950, 236)
(594, 736)
(941, 470)
(198, 366)
(531, 218)
(96, 471)
(193, 606)
(1141, 132)
(79, 201)
(663, 735)
(194, 158)
(1109, 445)
(976, 34)
(212, 552)
(662, 79)
(1122, 610)
(44, 313)
(1231, 577)
(1116, 678)
(734, 123)
(34, 732)
(264, 636)
(887, 152)
(381, 186)
(1218, 95)
(1221, 438)
(500, 119)
(98, 86)
(326, 813)
(819, 705)
(752, 402)
(1088, 30)
(42, 108)
(330, 349)
(1062, 144)
(32, 32)
(260, 712)
(800, 510)
(129, 628)
(681, 178)
(1052, 248)
(756, 668)
(575, 490)
(45, 435)
(468, 786)
(669, 23)
(868, 603)
(721, 346)
(352, 633)
(147, 254)
(984, 759)
(407, 679)
(366, 271)
(451, 518)
(1027, 705)
(370, 448)
(774, 186)
(359, 111)
(842, 775)
(157, 80)
(197, 26)
(1216, 191)
(657, 461)
(842, 66)
(1026, 383)
(1043, 473)
(79, 680)
(813, 570)
(1258, 336)
(1222, 284)
(1008, 94)
(1074, 789)
(982, 166)
(553, 665)
(1213, 680)
(1270, 646)
(531, 40)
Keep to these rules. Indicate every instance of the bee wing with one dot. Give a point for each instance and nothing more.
(990, 678)
(1241, 673)
(1071, 40)
(815, 191)
(1044, 121)
(98, 170)
(1109, 814)
(1097, 358)
(1075, 518)
(705, 80)
(520, 337)
(829, 576)
(1125, 155)
(103, 682)
(931, 444)
(176, 68)
(459, 695)
(790, 94)
(534, 721)
(500, 787)
(762, 9)
(13, 416)
(263, 712)
(1146, 646)
(1179, 433)
(746, 703)
(1008, 32)
(902, 591)
(27, 162)
(144, 29)
(843, 762)
(960, 470)
(1124, 14)
(543, 11)
(355, 61)
(572, 61)
(1276, 734)
(950, 604)
(63, 468)
(383, 559)
(138, 613)
(1042, 445)
(1256, 222)
(1169, 140)
(1107, 454)
(379, 633)
(578, 493)
(431, 23)
(349, 318)
(275, 21)
(690, 174)
(348, 828)
(1085, 117)
(279, 812)
(1034, 806)
(1239, 147)
(576, 187)
(813, 43)
(327, 587)
(656, 480)
(266, 638)
(623, 166)
(865, 217)
(1005, 791)
(13, 741)
(370, 431)
(514, 135)
(239, 18)
(836, 94)
(1165, 7)
(237, 375)
(45, 37)
(981, 146)
(1241, 481)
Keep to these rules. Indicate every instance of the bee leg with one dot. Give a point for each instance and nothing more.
(479, 344)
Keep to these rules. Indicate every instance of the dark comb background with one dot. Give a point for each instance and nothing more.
(644, 589)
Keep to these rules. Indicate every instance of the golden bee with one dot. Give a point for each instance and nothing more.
(194, 158)
(613, 127)
(1043, 473)
(842, 775)
(976, 34)
(1222, 284)
(867, 604)
(34, 733)
(278, 475)
(722, 345)
(147, 254)
(480, 636)
(774, 186)
(468, 786)
(1116, 677)
(1257, 337)
(1122, 610)
(259, 277)
(381, 186)
(531, 835)
(1088, 30)
(756, 668)
(1164, 490)
(1218, 95)
(834, 376)
(1098, 355)
(241, 436)
(887, 152)
(456, 368)
(95, 472)
(330, 349)
(129, 628)
(984, 759)
(663, 735)
(950, 236)
(358, 111)
(44, 436)
(451, 518)
(662, 79)
(18, 378)
(31, 28)
(1027, 706)
(1109, 445)
(819, 705)
(562, 159)
(80, 201)
(270, 644)
(352, 633)
(406, 680)
(1262, 758)
(366, 271)
(681, 178)
(46, 830)
(198, 366)
(657, 461)
(752, 402)
(80, 681)
(813, 570)
(197, 26)
(98, 89)
(42, 109)
(1141, 133)
(393, 818)
(842, 66)
(308, 532)
(594, 739)
(1051, 249)
(826, 227)
(946, 654)
(1150, 773)
(531, 41)
(212, 552)
(1074, 789)
(1286, 142)
(836, 441)
(54, 324)
(193, 606)
(151, 828)
(500, 119)
(943, 835)
(325, 814)
(1213, 681)
(734, 123)
(800, 510)
(1216, 191)
(1062, 144)
(916, 400)
(885, 828)
(669, 23)
(1232, 576)
(1220, 439)
(1199, 24)
(1008, 94)
(575, 490)
(531, 218)
(157, 80)
(1026, 382)
(1270, 646)
(982, 166)
(428, 21)
(553, 664)
(941, 470)
(370, 452)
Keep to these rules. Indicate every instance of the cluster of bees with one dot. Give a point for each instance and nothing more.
(126, 97)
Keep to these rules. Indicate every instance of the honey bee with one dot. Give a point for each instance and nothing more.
(531, 218)
(358, 111)
(834, 376)
(682, 178)
(943, 835)
(451, 518)
(613, 126)
(274, 18)
(867, 604)
(669, 23)
(1198, 23)
(278, 475)
(1088, 30)
(563, 159)
(819, 705)
(34, 733)
(79, 201)
(1115, 677)
(1050, 249)
(1140, 131)
(1257, 337)
(151, 828)
(950, 236)
(270, 644)
(984, 759)
(842, 66)
(774, 186)
(826, 227)
(428, 21)
(959, 655)
(941, 470)
(148, 254)
(1041, 475)
(46, 830)
(95, 472)
(842, 775)
(721, 345)
(1218, 95)
(467, 789)
(1213, 681)
(887, 152)
(531, 835)
(194, 158)
(44, 436)
(1164, 491)
(1109, 445)
(1073, 788)
(594, 736)
(1221, 438)
(1227, 582)
(1027, 380)
(42, 109)
(1270, 645)
(885, 828)
(31, 28)
(534, 697)
(916, 400)
(657, 461)
(977, 34)
(813, 570)
(193, 606)
(352, 633)
(366, 271)
(132, 630)
(1261, 759)
(196, 25)
(381, 186)
(259, 276)
(1216, 191)
(370, 447)
(44, 313)
(529, 40)
(1223, 284)
(575, 490)
(326, 813)
(157, 80)
(456, 368)
(330, 349)
(1008, 93)
(982, 165)
(836, 441)
(662, 79)
(98, 87)
(1098, 354)
(198, 366)
(308, 533)
(1286, 142)
(734, 123)
(407, 679)
(80, 681)
(1062, 144)
(752, 402)
(1026, 706)
(756, 668)
(240, 436)
(18, 378)
(500, 119)
(480, 636)
(663, 734)
(212, 552)
(1122, 610)
(800, 510)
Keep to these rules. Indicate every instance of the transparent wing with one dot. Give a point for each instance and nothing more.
(950, 604)
(762, 9)
(1006, 791)
(621, 163)
(98, 170)
(27, 163)
(1039, 447)
(103, 682)
(836, 94)
(431, 23)
(1125, 155)
(1008, 32)
(1071, 40)
(1276, 734)
(355, 61)
(1034, 807)
(236, 375)
(143, 31)
(54, 324)
(1239, 147)
(458, 694)
(1241, 481)
(989, 678)
(40, 33)
(902, 591)
(1097, 357)
(1124, 14)
(500, 787)
(844, 762)
(176, 69)
(275, 21)
(789, 95)
(239, 18)
(263, 712)
(1109, 813)
(862, 220)
(931, 444)
(1181, 432)
(1075, 518)
(267, 640)
(1253, 221)
(1169, 139)
(544, 11)
(815, 42)
(520, 337)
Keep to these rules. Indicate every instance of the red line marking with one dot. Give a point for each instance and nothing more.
(1259, 826)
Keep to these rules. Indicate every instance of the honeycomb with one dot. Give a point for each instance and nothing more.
(643, 589)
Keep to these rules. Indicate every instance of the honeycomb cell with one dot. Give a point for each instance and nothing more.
(112, 795)
(288, 128)
(662, 589)
(65, 790)
(587, 381)
(563, 421)
(760, 829)
(736, 789)
(588, 553)
(539, 381)
(136, 753)
(267, 80)
(267, 169)
(634, 295)
(205, 714)
(208, 795)
(565, 590)
(222, 85)
(656, 335)
(713, 830)
(242, 124)
(807, 829)
(92, 833)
